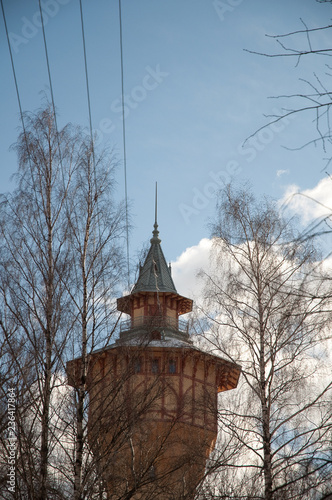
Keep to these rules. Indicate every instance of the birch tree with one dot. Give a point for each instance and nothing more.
(268, 307)
(34, 267)
(59, 263)
(95, 226)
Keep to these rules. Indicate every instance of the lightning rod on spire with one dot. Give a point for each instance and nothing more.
(156, 205)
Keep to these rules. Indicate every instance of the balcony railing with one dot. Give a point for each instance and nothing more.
(153, 322)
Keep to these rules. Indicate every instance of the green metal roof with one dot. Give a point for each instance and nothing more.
(155, 274)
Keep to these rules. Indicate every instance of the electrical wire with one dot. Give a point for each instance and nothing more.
(94, 169)
(49, 75)
(87, 83)
(15, 79)
(53, 104)
(124, 143)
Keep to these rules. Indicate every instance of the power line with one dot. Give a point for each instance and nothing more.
(15, 78)
(53, 103)
(87, 83)
(94, 165)
(123, 121)
(124, 143)
(14, 74)
(49, 75)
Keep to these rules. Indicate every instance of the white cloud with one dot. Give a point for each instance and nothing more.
(309, 204)
(187, 265)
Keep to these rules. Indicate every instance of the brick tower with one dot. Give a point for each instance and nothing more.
(153, 395)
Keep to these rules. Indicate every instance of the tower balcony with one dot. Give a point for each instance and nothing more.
(149, 323)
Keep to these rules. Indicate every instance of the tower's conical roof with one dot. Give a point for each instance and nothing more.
(155, 274)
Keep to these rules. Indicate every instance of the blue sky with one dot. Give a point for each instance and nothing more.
(193, 96)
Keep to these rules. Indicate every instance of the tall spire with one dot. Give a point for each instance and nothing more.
(155, 274)
(155, 232)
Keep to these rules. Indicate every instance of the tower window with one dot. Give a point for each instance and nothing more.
(138, 366)
(172, 366)
(155, 366)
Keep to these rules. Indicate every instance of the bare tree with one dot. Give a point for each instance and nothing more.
(268, 307)
(314, 102)
(34, 267)
(95, 228)
(60, 261)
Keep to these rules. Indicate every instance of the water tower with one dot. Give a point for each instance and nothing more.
(152, 419)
